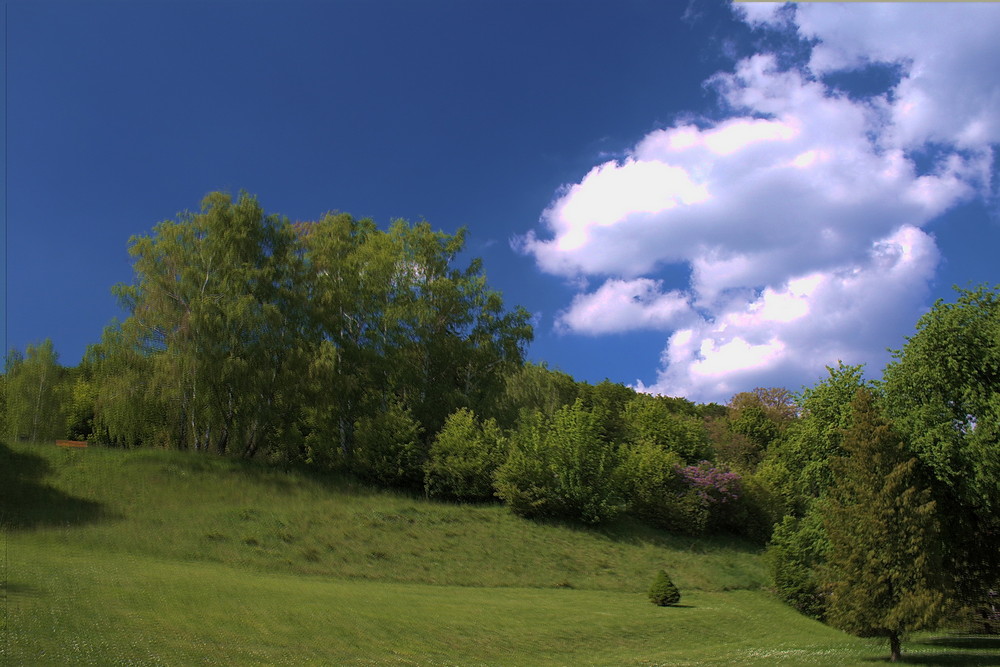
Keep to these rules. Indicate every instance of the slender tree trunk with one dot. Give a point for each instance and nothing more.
(894, 650)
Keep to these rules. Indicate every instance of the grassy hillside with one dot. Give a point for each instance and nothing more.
(154, 557)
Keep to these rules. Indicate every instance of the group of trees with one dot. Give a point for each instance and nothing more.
(889, 489)
(344, 346)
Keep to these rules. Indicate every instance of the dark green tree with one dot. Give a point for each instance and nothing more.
(663, 592)
(796, 466)
(795, 476)
(606, 401)
(884, 562)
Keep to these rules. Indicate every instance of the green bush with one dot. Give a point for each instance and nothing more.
(663, 592)
(387, 448)
(463, 458)
(797, 554)
(561, 468)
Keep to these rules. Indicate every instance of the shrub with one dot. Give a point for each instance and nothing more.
(463, 458)
(652, 483)
(387, 447)
(663, 592)
(797, 554)
(561, 468)
(687, 499)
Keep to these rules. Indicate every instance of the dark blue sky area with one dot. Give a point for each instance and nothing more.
(473, 113)
(464, 113)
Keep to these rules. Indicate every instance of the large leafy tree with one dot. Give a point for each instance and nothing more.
(884, 561)
(943, 393)
(217, 326)
(795, 475)
(401, 325)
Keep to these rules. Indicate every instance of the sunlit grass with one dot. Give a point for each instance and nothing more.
(67, 607)
(153, 557)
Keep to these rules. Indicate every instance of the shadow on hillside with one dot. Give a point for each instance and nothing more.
(27, 502)
(281, 477)
(630, 530)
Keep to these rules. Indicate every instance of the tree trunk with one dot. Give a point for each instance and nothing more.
(894, 650)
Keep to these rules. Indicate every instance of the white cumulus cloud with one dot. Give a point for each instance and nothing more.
(799, 215)
(623, 305)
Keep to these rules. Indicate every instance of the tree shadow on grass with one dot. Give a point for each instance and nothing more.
(971, 659)
(27, 502)
(978, 650)
(10, 588)
(964, 641)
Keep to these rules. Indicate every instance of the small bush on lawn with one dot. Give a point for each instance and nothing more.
(663, 592)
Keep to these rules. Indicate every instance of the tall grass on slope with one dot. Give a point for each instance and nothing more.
(191, 507)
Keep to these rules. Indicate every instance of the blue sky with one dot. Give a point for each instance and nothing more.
(691, 199)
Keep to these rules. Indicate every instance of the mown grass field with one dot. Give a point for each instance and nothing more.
(153, 557)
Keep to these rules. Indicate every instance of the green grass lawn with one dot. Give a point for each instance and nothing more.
(153, 557)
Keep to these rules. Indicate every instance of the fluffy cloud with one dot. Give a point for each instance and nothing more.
(805, 322)
(621, 305)
(799, 216)
(951, 88)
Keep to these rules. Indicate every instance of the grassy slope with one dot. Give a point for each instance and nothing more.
(160, 557)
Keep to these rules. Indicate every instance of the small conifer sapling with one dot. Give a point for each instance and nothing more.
(663, 592)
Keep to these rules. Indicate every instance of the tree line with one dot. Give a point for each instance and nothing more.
(342, 346)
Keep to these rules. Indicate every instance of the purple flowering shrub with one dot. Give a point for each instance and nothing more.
(715, 486)
(683, 498)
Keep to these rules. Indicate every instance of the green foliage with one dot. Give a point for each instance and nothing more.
(606, 401)
(796, 466)
(402, 322)
(535, 387)
(654, 488)
(561, 468)
(127, 409)
(80, 402)
(663, 593)
(464, 457)
(217, 328)
(796, 553)
(249, 335)
(885, 575)
(651, 420)
(943, 394)
(388, 449)
(753, 423)
(35, 390)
